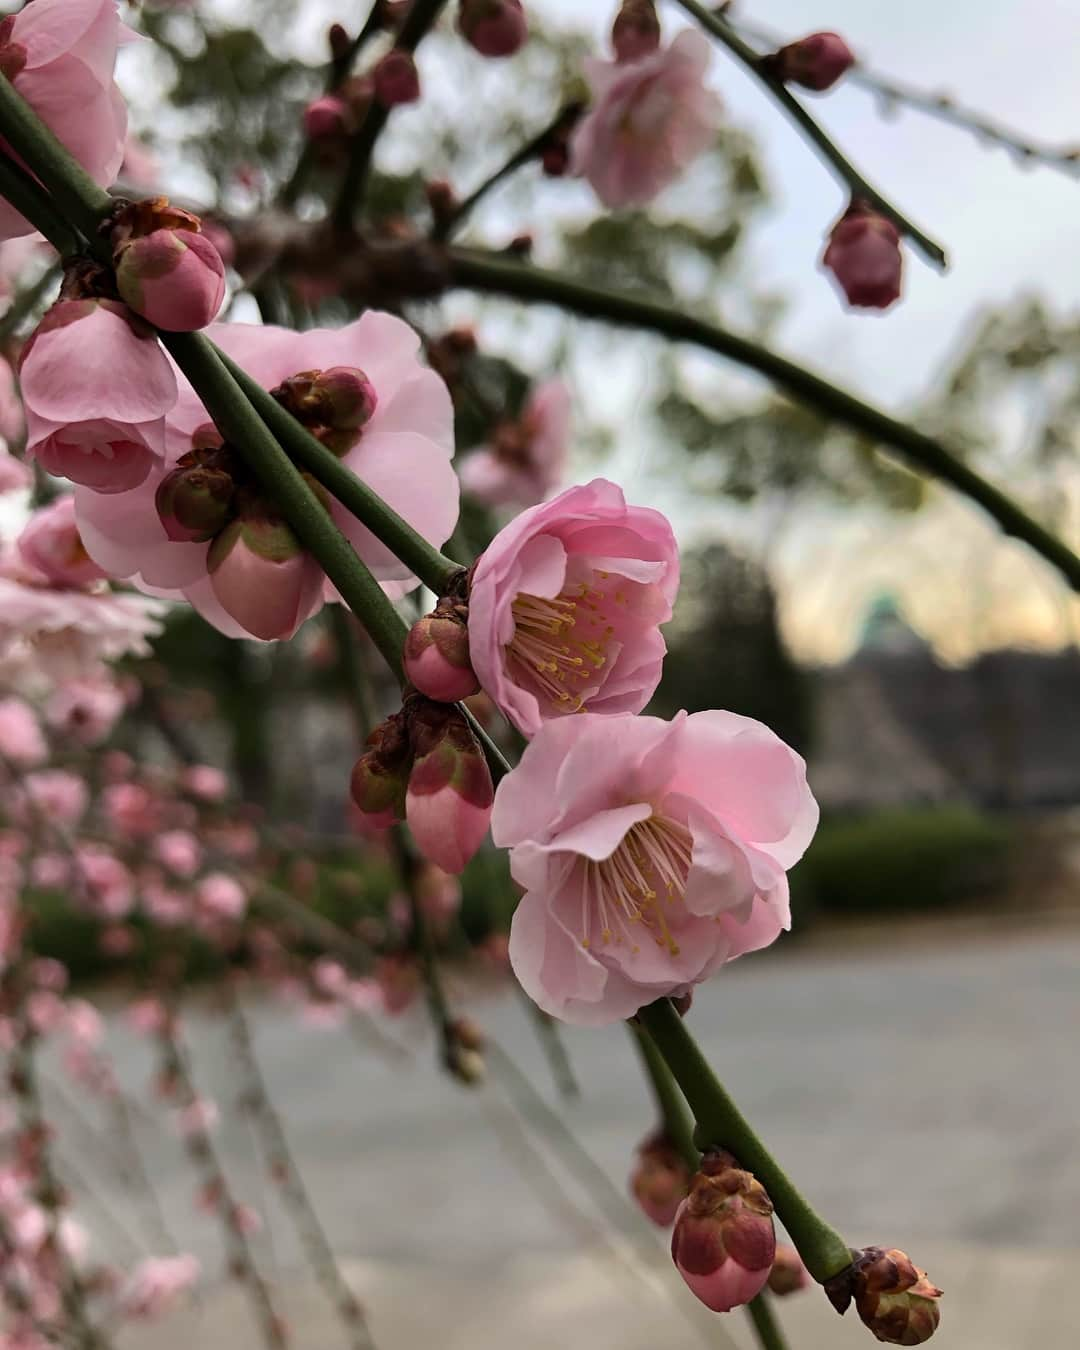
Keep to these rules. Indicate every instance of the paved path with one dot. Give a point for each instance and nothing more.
(928, 1098)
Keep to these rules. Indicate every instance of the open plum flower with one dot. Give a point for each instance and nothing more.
(525, 459)
(59, 55)
(565, 606)
(650, 853)
(402, 450)
(650, 120)
(96, 386)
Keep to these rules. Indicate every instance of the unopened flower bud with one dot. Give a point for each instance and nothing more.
(493, 27)
(437, 658)
(864, 255)
(380, 775)
(892, 1296)
(449, 797)
(815, 62)
(660, 1179)
(377, 790)
(338, 40)
(723, 1242)
(262, 577)
(327, 118)
(195, 502)
(636, 30)
(788, 1274)
(167, 270)
(396, 78)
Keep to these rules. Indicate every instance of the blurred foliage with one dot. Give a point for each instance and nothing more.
(896, 862)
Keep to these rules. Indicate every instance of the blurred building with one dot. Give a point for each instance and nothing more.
(895, 727)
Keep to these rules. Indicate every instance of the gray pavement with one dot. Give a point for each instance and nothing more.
(923, 1092)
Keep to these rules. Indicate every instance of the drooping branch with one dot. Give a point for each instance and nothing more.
(487, 272)
(422, 15)
(716, 24)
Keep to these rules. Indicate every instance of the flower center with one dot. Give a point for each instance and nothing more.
(637, 886)
(561, 647)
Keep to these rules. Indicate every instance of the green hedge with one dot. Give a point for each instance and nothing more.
(906, 860)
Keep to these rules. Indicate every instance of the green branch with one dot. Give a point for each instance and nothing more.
(720, 1124)
(422, 14)
(718, 26)
(480, 271)
(30, 200)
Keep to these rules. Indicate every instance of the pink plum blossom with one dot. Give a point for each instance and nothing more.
(220, 896)
(156, 1283)
(59, 55)
(650, 853)
(565, 607)
(402, 452)
(97, 386)
(199, 1116)
(56, 795)
(179, 851)
(85, 709)
(103, 884)
(205, 781)
(50, 543)
(649, 120)
(21, 741)
(67, 634)
(526, 459)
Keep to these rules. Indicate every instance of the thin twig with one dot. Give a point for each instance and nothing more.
(486, 272)
(893, 93)
(285, 1173)
(829, 151)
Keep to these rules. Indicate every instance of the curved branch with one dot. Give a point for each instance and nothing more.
(818, 137)
(479, 271)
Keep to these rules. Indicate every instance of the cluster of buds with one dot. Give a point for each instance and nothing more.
(636, 30)
(424, 765)
(493, 27)
(864, 256)
(259, 571)
(892, 1295)
(660, 1179)
(437, 653)
(815, 62)
(723, 1242)
(334, 404)
(167, 270)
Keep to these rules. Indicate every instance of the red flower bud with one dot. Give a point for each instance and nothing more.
(194, 502)
(493, 27)
(723, 1242)
(660, 1179)
(437, 658)
(636, 30)
(816, 62)
(166, 269)
(396, 78)
(864, 255)
(449, 797)
(788, 1274)
(327, 118)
